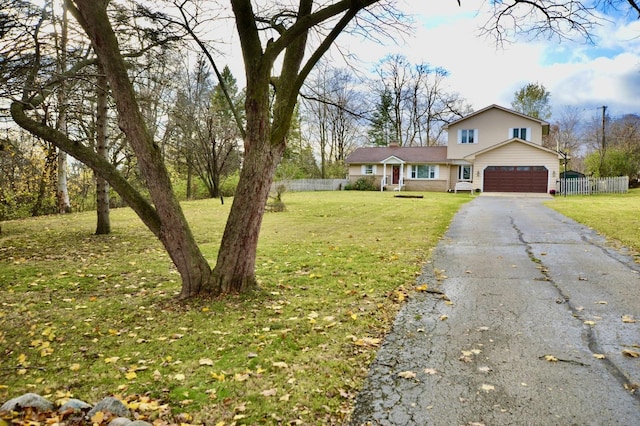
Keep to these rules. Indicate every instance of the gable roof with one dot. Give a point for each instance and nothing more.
(407, 154)
(543, 123)
(509, 141)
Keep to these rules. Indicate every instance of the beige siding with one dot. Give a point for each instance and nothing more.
(516, 154)
(493, 127)
(434, 185)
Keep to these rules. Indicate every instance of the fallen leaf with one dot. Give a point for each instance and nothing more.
(430, 371)
(599, 356)
(205, 361)
(407, 374)
(590, 323)
(285, 397)
(444, 317)
(98, 417)
(601, 302)
(551, 358)
(269, 392)
(630, 353)
(280, 364)
(485, 369)
(179, 377)
(628, 319)
(485, 387)
(130, 375)
(422, 287)
(241, 377)
(74, 367)
(218, 377)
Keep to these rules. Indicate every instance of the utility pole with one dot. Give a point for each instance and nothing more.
(604, 110)
(604, 140)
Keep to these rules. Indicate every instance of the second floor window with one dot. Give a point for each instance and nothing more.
(467, 136)
(520, 132)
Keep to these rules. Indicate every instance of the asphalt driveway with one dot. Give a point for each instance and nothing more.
(533, 325)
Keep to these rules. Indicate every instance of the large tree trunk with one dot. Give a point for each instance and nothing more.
(235, 268)
(174, 232)
(62, 193)
(103, 225)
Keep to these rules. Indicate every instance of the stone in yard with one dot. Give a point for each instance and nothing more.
(27, 400)
(75, 405)
(110, 405)
(120, 421)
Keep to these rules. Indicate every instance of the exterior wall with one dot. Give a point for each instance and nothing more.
(516, 154)
(493, 127)
(453, 177)
(432, 185)
(377, 179)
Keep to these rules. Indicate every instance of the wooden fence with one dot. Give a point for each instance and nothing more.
(296, 185)
(589, 186)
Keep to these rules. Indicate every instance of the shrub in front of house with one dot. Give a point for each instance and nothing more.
(364, 183)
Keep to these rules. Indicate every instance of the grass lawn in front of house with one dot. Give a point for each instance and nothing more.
(88, 316)
(615, 216)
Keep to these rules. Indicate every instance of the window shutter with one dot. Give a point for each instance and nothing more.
(475, 136)
(528, 134)
(459, 135)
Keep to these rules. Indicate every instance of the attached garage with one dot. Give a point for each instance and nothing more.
(516, 179)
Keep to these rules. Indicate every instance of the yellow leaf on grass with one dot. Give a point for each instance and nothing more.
(74, 367)
(179, 377)
(241, 377)
(205, 361)
(367, 341)
(219, 377)
(280, 364)
(269, 392)
(130, 375)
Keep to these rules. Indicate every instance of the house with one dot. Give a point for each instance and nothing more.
(494, 149)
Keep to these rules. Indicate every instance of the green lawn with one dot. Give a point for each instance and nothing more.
(616, 216)
(92, 316)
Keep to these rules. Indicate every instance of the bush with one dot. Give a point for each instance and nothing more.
(364, 183)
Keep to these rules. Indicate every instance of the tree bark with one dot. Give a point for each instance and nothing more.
(62, 193)
(174, 231)
(103, 222)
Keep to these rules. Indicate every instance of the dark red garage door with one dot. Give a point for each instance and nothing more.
(515, 179)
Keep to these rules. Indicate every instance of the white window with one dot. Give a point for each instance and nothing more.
(468, 136)
(369, 169)
(465, 172)
(523, 133)
(424, 171)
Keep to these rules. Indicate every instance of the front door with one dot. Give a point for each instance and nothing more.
(395, 177)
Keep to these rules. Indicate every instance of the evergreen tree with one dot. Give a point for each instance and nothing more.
(382, 123)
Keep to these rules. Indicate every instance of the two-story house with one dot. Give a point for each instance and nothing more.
(495, 149)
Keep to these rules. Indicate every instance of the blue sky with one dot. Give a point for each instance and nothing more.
(576, 73)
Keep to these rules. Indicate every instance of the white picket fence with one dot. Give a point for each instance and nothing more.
(589, 185)
(296, 185)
